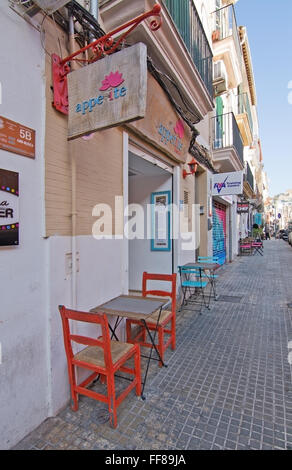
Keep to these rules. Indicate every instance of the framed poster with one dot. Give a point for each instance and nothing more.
(160, 219)
(9, 214)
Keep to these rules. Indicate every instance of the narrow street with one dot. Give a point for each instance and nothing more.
(227, 384)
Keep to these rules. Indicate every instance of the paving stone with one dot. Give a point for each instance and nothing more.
(227, 384)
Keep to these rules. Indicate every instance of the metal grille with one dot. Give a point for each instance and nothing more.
(226, 133)
(249, 176)
(244, 107)
(219, 232)
(188, 23)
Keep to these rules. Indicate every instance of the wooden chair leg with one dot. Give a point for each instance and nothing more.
(74, 394)
(137, 360)
(160, 346)
(128, 331)
(102, 379)
(173, 336)
(112, 400)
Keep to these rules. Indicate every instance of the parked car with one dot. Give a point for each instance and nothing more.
(285, 235)
(290, 238)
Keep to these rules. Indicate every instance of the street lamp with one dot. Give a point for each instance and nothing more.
(193, 164)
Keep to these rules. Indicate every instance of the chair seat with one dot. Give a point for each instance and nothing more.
(95, 355)
(154, 317)
(194, 283)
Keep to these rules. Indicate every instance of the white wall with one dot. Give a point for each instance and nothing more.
(99, 279)
(141, 258)
(23, 311)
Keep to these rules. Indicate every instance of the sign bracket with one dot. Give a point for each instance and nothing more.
(99, 48)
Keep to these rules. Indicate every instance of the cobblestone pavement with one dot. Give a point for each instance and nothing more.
(227, 384)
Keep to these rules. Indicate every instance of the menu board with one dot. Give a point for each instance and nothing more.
(9, 213)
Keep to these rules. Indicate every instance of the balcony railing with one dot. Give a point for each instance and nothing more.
(244, 107)
(188, 23)
(226, 134)
(249, 176)
(226, 26)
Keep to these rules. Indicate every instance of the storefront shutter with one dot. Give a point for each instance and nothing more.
(219, 231)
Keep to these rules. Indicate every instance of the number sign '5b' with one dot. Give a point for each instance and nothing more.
(108, 92)
(16, 138)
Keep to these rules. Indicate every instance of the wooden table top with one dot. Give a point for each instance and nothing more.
(131, 306)
(206, 266)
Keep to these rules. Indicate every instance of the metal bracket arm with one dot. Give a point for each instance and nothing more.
(103, 46)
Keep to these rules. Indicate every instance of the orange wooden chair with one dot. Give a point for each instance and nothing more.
(102, 356)
(167, 321)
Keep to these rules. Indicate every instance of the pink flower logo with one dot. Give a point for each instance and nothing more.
(179, 129)
(112, 81)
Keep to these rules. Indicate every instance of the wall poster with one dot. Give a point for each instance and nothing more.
(160, 207)
(9, 212)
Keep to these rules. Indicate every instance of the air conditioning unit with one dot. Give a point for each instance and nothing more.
(29, 8)
(50, 6)
(219, 77)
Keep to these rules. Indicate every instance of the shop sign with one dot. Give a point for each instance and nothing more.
(108, 92)
(172, 137)
(242, 207)
(227, 183)
(9, 214)
(16, 138)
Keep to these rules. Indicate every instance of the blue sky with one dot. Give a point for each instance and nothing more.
(269, 28)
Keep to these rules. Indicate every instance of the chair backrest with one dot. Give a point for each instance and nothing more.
(184, 270)
(103, 341)
(208, 259)
(160, 293)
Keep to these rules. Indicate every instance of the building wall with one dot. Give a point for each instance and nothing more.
(24, 397)
(34, 369)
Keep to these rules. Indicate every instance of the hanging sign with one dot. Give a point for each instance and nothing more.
(242, 207)
(227, 183)
(9, 215)
(17, 138)
(108, 92)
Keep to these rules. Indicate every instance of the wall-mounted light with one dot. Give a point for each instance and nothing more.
(193, 164)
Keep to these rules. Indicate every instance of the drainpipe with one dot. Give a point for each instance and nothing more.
(94, 11)
(72, 157)
(94, 8)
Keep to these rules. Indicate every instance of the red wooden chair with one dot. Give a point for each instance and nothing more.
(102, 356)
(167, 319)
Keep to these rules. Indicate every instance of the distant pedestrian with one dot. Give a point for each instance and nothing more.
(268, 235)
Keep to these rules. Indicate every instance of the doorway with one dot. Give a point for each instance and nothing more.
(147, 176)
